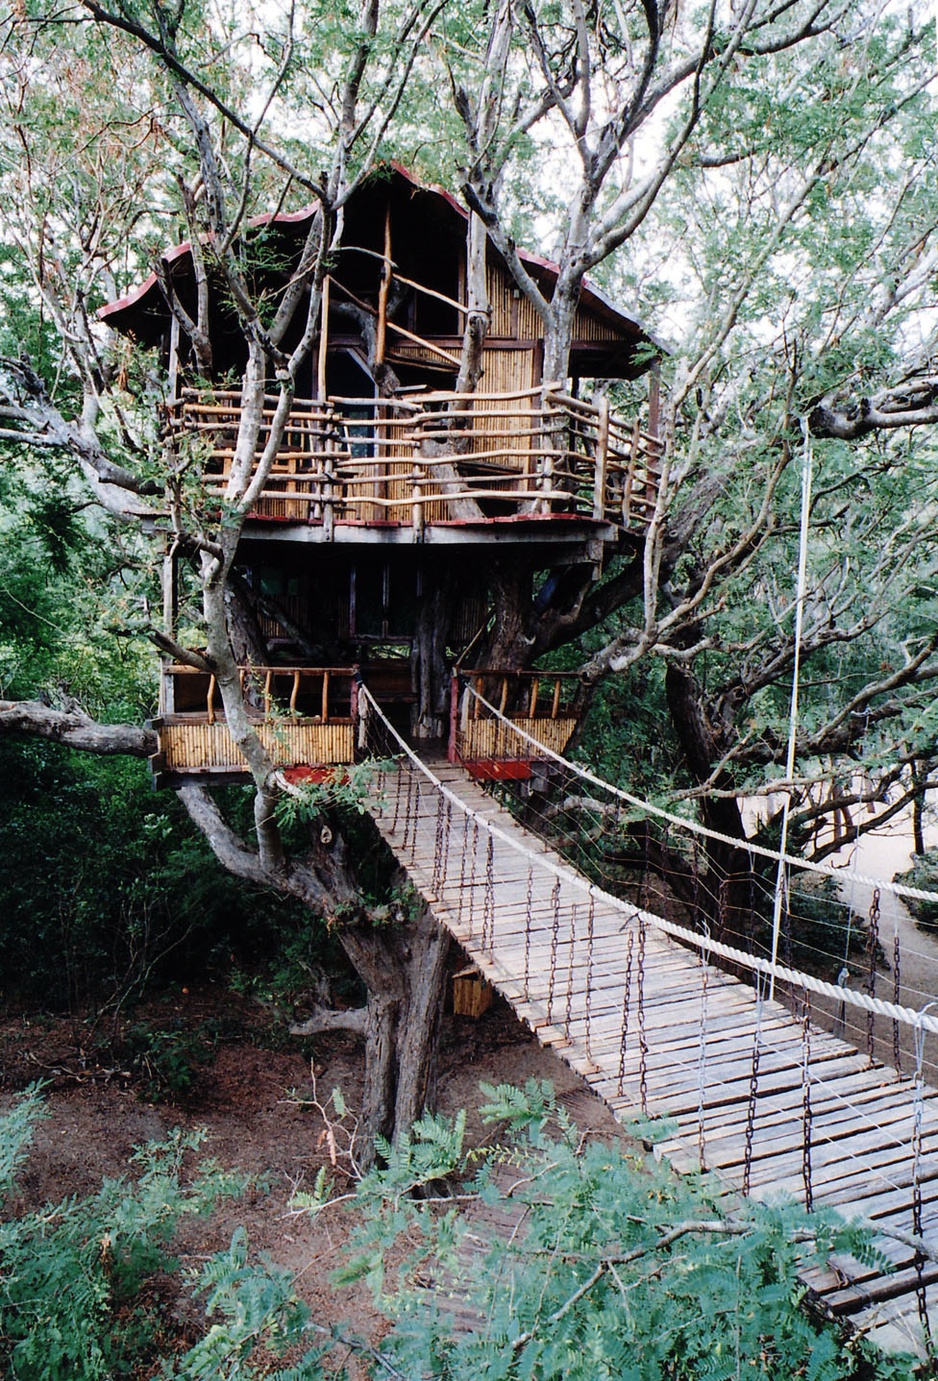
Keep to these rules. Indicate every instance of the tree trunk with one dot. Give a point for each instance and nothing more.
(434, 615)
(724, 897)
(404, 969)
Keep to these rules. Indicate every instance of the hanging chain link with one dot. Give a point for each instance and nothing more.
(568, 1010)
(590, 931)
(897, 998)
(554, 940)
(753, 1093)
(472, 876)
(807, 1124)
(872, 949)
(626, 1003)
(488, 903)
(918, 1111)
(702, 1060)
(642, 1041)
(438, 843)
(464, 853)
(529, 901)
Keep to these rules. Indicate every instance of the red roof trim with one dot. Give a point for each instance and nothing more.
(589, 295)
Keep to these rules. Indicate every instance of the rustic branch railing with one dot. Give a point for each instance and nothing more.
(418, 460)
(317, 694)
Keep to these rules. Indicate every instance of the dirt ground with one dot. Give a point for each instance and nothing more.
(244, 1097)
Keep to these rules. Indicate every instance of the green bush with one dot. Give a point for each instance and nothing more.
(924, 875)
(615, 1267)
(75, 1302)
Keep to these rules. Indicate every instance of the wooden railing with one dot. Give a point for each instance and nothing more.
(436, 457)
(315, 693)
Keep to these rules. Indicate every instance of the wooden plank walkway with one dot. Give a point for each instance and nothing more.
(647, 1024)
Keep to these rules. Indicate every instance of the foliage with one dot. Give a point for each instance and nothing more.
(924, 875)
(80, 1298)
(605, 1264)
(71, 1307)
(106, 891)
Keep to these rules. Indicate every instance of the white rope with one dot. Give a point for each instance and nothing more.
(781, 877)
(694, 827)
(691, 938)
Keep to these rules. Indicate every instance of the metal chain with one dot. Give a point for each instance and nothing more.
(896, 997)
(806, 1114)
(568, 1012)
(872, 946)
(626, 1002)
(527, 931)
(554, 938)
(722, 907)
(488, 903)
(462, 869)
(642, 1042)
(590, 931)
(397, 800)
(918, 1090)
(410, 821)
(472, 875)
(753, 1092)
(438, 844)
(702, 1063)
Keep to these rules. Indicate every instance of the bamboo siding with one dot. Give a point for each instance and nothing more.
(489, 739)
(197, 746)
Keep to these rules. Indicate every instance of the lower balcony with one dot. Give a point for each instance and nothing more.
(307, 719)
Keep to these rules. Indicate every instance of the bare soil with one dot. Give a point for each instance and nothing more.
(247, 1095)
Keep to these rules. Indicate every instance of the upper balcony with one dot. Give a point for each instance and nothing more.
(437, 459)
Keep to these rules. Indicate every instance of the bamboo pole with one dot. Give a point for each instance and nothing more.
(323, 341)
(385, 287)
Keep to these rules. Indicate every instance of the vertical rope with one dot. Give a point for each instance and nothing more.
(781, 877)
(872, 949)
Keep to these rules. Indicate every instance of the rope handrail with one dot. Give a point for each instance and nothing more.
(708, 946)
(897, 889)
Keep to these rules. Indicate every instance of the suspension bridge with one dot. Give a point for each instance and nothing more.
(753, 1092)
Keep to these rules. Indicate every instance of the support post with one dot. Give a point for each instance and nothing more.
(323, 341)
(381, 333)
(602, 452)
(451, 749)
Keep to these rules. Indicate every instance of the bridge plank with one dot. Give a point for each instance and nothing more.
(520, 928)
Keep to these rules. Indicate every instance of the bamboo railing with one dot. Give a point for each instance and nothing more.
(434, 457)
(538, 702)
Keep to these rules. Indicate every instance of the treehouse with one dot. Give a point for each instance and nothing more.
(392, 497)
